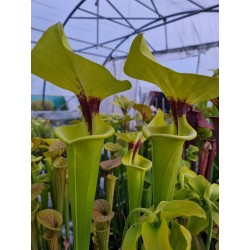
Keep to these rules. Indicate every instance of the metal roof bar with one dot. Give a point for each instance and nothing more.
(180, 49)
(155, 8)
(126, 36)
(131, 26)
(166, 36)
(146, 6)
(72, 12)
(193, 2)
(97, 22)
(115, 18)
(107, 18)
(127, 21)
(92, 54)
(82, 41)
(143, 30)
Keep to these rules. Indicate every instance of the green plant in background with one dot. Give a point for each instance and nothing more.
(145, 114)
(160, 229)
(196, 188)
(52, 221)
(102, 216)
(198, 118)
(125, 105)
(113, 168)
(38, 105)
(54, 61)
(190, 156)
(36, 190)
(41, 128)
(58, 168)
(58, 172)
(114, 120)
(204, 118)
(36, 164)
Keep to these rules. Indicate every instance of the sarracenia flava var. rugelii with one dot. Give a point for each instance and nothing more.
(53, 60)
(182, 91)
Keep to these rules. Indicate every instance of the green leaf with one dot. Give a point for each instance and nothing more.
(185, 164)
(215, 213)
(144, 110)
(184, 208)
(187, 172)
(186, 194)
(36, 159)
(198, 243)
(54, 61)
(191, 153)
(156, 236)
(214, 195)
(124, 103)
(49, 141)
(190, 88)
(196, 225)
(35, 142)
(56, 149)
(180, 237)
(112, 147)
(199, 184)
(131, 137)
(159, 119)
(119, 149)
(131, 237)
(46, 178)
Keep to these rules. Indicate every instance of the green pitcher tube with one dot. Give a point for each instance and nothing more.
(110, 188)
(52, 239)
(136, 170)
(83, 154)
(34, 238)
(59, 182)
(167, 148)
(102, 216)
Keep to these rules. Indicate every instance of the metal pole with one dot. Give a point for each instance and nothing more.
(43, 97)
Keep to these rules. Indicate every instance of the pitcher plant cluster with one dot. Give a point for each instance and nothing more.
(99, 183)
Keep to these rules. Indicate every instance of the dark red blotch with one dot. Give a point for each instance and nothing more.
(89, 107)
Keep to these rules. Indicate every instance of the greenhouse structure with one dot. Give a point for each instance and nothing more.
(182, 35)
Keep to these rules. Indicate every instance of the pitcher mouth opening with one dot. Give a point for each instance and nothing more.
(78, 132)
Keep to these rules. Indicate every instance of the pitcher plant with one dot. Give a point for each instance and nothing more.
(182, 91)
(136, 166)
(54, 61)
(160, 228)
